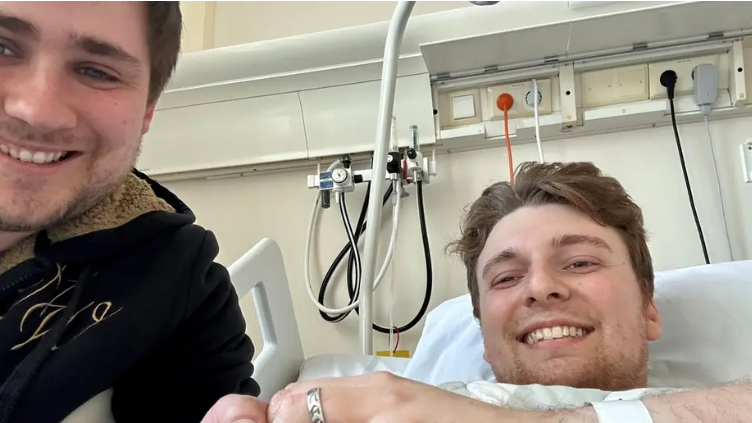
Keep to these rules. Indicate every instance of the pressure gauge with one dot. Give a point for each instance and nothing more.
(339, 175)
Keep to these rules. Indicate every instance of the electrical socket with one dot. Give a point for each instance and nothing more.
(523, 99)
(684, 81)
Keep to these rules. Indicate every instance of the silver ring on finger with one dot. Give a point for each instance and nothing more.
(315, 409)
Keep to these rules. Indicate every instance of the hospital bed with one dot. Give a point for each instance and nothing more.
(705, 314)
(704, 309)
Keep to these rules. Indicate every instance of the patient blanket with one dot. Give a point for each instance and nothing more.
(543, 397)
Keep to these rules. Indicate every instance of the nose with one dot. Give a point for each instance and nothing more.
(544, 287)
(37, 95)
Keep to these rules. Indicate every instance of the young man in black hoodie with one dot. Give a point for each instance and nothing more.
(109, 293)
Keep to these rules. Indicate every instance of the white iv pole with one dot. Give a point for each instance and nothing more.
(380, 151)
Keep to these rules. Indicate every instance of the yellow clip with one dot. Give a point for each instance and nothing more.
(398, 353)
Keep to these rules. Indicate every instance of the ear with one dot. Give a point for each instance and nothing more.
(653, 328)
(148, 116)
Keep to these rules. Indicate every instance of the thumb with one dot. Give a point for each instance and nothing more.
(237, 409)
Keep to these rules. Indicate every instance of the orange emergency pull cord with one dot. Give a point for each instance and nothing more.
(505, 102)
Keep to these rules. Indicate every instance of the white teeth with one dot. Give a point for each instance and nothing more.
(547, 335)
(25, 156)
(555, 332)
(558, 332)
(37, 157)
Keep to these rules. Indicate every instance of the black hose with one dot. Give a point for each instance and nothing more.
(351, 288)
(687, 183)
(354, 286)
(429, 272)
(353, 241)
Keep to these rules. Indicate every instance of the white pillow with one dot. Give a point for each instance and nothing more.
(707, 338)
(450, 349)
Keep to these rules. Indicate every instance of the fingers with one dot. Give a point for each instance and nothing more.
(237, 409)
(343, 400)
(289, 406)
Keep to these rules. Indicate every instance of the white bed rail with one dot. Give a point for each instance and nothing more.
(261, 272)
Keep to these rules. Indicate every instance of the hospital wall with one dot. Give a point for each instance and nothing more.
(242, 211)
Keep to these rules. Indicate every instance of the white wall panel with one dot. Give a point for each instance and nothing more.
(225, 134)
(341, 120)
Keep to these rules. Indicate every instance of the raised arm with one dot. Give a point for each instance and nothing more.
(207, 357)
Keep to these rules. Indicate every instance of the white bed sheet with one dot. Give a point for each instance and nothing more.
(344, 365)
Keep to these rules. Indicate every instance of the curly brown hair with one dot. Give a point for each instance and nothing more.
(164, 26)
(580, 185)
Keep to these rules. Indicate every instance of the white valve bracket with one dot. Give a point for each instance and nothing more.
(746, 153)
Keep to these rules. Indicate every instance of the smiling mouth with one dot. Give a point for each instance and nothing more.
(554, 333)
(35, 157)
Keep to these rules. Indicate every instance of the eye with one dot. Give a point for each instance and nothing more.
(97, 74)
(580, 264)
(505, 281)
(6, 51)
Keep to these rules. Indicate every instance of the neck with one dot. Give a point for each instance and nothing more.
(9, 239)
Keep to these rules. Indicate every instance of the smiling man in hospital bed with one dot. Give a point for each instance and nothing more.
(562, 281)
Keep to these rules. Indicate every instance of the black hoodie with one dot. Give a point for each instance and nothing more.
(125, 299)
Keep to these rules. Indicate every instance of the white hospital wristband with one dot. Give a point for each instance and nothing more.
(633, 411)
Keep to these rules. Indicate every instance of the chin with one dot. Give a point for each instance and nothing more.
(24, 213)
(27, 222)
(588, 378)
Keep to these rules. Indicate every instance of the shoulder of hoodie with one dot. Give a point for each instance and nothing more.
(208, 279)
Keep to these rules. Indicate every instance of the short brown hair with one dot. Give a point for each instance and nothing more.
(164, 26)
(580, 185)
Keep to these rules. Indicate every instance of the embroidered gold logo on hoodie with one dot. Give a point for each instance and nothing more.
(88, 316)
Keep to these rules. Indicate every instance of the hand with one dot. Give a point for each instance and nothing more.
(237, 409)
(375, 398)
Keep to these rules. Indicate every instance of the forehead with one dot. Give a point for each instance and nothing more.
(120, 24)
(534, 229)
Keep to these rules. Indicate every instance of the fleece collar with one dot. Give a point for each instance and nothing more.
(131, 200)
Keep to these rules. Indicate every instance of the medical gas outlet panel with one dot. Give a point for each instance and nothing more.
(576, 98)
(409, 166)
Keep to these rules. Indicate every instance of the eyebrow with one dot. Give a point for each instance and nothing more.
(88, 44)
(97, 47)
(17, 26)
(504, 256)
(568, 240)
(560, 242)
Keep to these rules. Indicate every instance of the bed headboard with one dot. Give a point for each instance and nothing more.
(261, 272)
